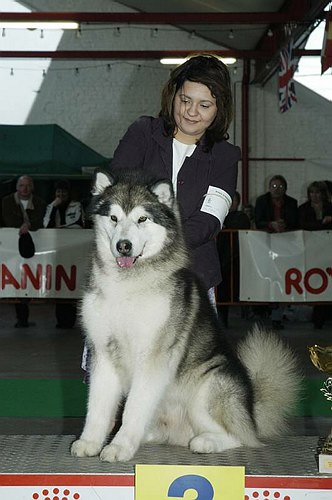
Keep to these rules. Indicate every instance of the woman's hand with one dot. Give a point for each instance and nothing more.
(24, 228)
(327, 219)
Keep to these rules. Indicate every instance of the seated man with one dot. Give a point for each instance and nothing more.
(25, 211)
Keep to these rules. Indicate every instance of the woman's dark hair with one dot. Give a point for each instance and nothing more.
(210, 71)
(321, 187)
(62, 184)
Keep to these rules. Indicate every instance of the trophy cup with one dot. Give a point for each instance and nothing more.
(321, 358)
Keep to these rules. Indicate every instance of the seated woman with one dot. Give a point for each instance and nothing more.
(316, 215)
(63, 212)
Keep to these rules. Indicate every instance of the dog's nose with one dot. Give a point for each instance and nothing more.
(124, 247)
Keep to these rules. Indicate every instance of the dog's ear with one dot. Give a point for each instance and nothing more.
(101, 181)
(164, 192)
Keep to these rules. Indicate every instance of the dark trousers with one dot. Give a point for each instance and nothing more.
(320, 314)
(65, 313)
(22, 310)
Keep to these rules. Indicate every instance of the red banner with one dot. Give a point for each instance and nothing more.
(326, 55)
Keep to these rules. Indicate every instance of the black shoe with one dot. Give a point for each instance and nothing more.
(22, 324)
(277, 325)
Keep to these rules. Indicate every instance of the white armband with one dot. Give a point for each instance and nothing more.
(216, 202)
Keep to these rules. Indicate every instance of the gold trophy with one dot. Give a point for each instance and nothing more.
(321, 358)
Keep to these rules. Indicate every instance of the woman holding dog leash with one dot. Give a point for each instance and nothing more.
(187, 143)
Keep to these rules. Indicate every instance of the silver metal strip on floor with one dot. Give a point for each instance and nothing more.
(35, 454)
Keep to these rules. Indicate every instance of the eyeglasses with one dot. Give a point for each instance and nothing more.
(277, 186)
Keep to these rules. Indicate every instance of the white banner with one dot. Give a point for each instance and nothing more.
(285, 267)
(57, 270)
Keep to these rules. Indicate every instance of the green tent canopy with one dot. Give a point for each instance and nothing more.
(44, 150)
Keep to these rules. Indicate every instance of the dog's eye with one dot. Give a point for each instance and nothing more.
(142, 219)
(114, 218)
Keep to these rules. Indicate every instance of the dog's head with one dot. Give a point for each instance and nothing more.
(134, 216)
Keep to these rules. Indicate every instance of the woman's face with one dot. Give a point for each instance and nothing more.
(63, 194)
(315, 195)
(195, 109)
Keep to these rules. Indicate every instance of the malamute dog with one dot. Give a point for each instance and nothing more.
(155, 339)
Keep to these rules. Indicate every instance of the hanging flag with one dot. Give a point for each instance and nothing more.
(326, 54)
(287, 94)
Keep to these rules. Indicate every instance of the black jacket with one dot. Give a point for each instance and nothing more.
(264, 212)
(146, 146)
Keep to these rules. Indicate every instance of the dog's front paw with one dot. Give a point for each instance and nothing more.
(209, 442)
(117, 453)
(83, 448)
(202, 444)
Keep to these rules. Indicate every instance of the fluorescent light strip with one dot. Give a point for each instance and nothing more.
(179, 60)
(51, 25)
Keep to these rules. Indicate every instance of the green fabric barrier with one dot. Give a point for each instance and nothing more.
(44, 149)
(67, 398)
(42, 398)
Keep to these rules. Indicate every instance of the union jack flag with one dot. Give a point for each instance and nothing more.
(287, 95)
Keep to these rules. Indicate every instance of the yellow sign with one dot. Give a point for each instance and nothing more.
(189, 482)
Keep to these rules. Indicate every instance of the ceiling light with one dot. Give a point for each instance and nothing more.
(180, 60)
(51, 25)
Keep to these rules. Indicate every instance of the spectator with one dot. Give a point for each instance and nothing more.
(249, 211)
(228, 249)
(329, 189)
(236, 218)
(86, 201)
(64, 213)
(315, 215)
(23, 210)
(276, 212)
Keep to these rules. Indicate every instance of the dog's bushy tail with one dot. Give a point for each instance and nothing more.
(276, 379)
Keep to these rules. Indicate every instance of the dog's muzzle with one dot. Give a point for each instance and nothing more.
(124, 247)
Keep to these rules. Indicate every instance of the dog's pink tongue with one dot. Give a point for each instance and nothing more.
(125, 261)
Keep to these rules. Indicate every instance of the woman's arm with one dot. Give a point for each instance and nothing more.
(207, 220)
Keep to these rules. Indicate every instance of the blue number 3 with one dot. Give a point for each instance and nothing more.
(191, 482)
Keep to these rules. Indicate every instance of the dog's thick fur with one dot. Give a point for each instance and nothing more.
(155, 339)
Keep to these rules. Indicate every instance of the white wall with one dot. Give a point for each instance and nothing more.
(97, 104)
(303, 132)
(99, 101)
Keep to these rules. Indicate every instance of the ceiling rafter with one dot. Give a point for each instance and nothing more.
(141, 54)
(158, 17)
(299, 14)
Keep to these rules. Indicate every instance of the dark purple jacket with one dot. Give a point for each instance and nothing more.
(146, 146)
(308, 220)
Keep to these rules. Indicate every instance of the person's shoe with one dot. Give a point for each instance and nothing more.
(277, 325)
(22, 324)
